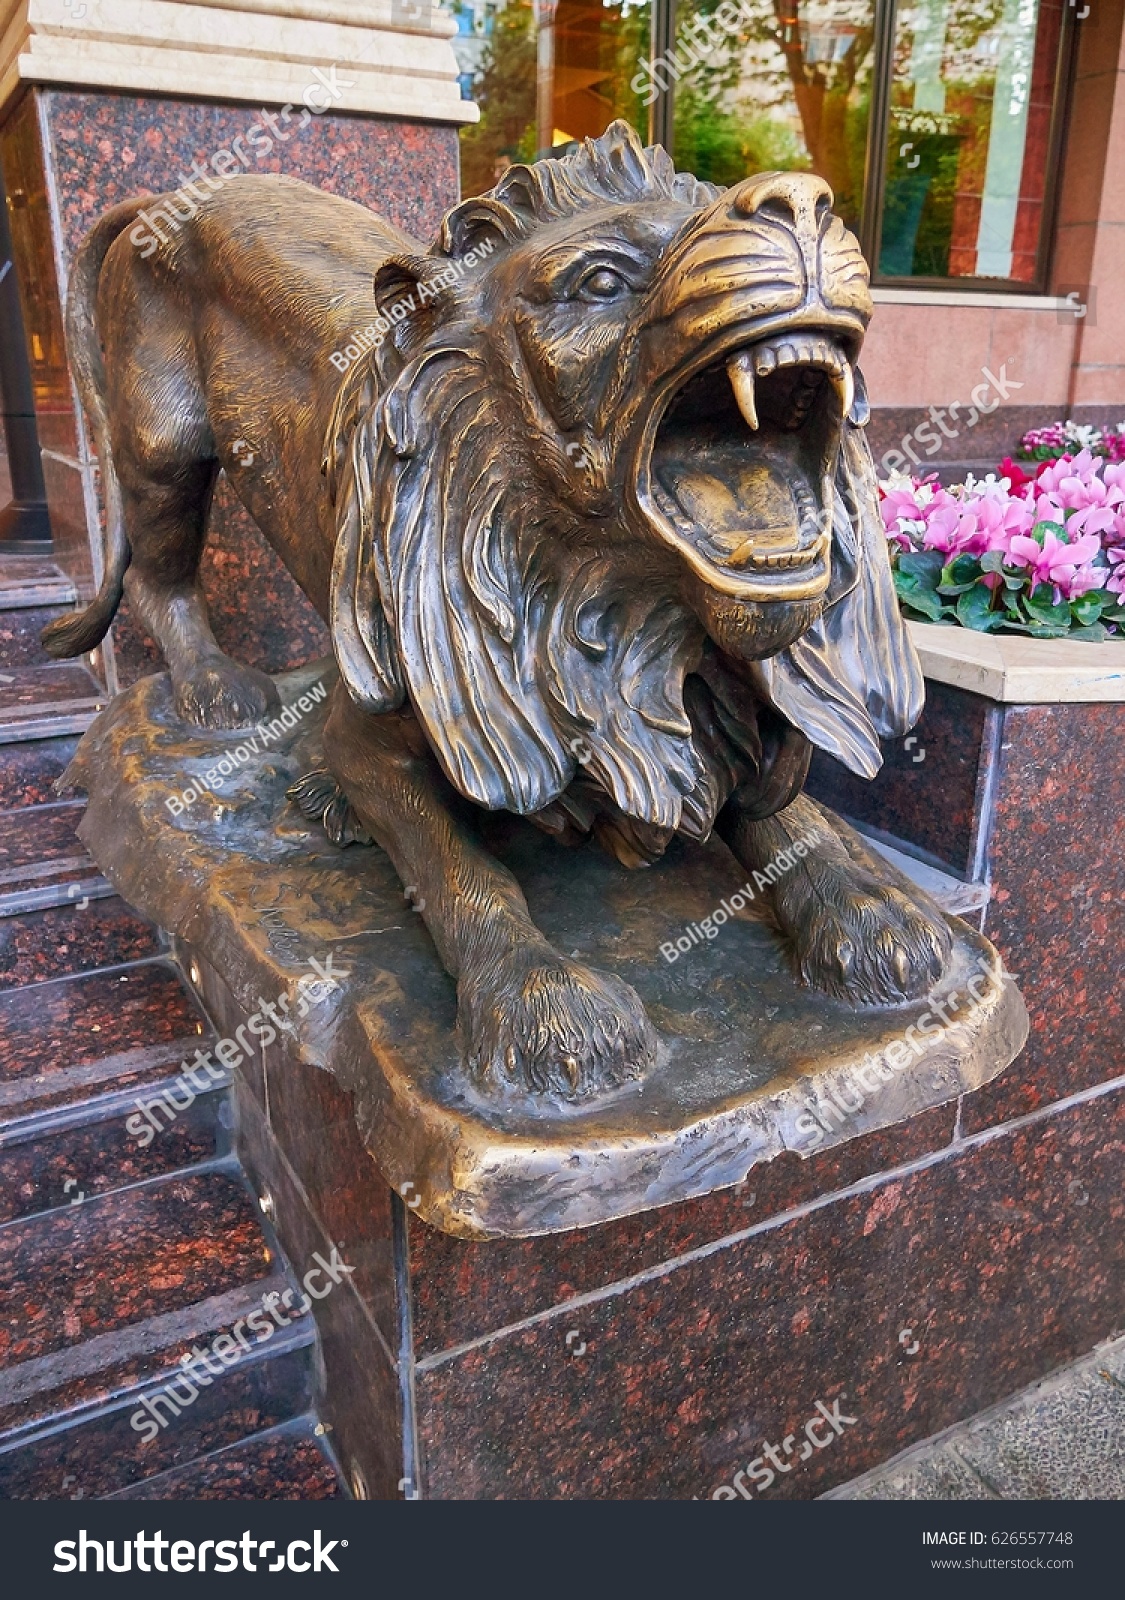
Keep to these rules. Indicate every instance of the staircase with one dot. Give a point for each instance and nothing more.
(119, 1257)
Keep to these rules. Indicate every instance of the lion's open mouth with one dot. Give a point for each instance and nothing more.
(740, 472)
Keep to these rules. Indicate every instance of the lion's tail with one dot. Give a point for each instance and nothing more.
(74, 635)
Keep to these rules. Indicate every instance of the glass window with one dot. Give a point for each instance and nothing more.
(968, 138)
(770, 84)
(934, 121)
(547, 74)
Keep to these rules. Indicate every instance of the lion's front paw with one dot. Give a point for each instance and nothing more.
(549, 1025)
(870, 945)
(219, 693)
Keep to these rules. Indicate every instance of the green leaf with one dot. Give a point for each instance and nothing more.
(924, 565)
(923, 601)
(974, 610)
(1045, 613)
(961, 573)
(1042, 630)
(1095, 630)
(1089, 607)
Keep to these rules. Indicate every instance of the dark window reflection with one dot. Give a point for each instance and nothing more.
(545, 75)
(967, 143)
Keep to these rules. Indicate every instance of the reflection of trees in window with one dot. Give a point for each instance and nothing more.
(788, 87)
(589, 51)
(505, 92)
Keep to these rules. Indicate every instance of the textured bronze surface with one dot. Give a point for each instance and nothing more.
(748, 1062)
(594, 523)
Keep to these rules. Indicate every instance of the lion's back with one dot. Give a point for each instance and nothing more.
(289, 255)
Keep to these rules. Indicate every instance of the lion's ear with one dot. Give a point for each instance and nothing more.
(482, 221)
(854, 676)
(409, 294)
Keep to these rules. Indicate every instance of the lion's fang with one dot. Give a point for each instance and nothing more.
(844, 385)
(740, 371)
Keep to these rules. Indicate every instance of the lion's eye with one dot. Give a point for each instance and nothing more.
(604, 284)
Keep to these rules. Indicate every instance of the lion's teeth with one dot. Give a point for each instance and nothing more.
(740, 371)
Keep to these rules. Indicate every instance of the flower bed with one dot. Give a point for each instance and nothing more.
(1068, 438)
(1040, 553)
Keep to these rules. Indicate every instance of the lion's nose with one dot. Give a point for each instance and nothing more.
(799, 193)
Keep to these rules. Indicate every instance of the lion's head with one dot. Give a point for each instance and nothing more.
(612, 439)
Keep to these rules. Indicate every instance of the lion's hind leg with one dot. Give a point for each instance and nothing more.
(856, 928)
(163, 455)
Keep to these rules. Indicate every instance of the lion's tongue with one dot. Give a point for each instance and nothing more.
(749, 510)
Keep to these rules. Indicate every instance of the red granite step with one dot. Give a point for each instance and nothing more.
(78, 935)
(76, 1055)
(99, 1305)
(91, 1447)
(21, 631)
(291, 1462)
(72, 1039)
(61, 1159)
(78, 1061)
(43, 862)
(114, 1261)
(30, 770)
(125, 1248)
(33, 581)
(43, 701)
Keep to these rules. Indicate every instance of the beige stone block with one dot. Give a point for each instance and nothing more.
(246, 50)
(1038, 349)
(1021, 671)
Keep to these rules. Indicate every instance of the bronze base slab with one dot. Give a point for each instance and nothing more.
(751, 1063)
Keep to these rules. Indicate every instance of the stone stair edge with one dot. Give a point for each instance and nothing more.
(304, 1427)
(299, 1336)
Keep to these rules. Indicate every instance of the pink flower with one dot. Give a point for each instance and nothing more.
(1059, 563)
(897, 506)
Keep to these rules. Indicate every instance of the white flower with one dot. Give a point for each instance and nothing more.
(1082, 435)
(990, 486)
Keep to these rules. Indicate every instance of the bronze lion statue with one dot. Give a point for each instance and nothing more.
(591, 516)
